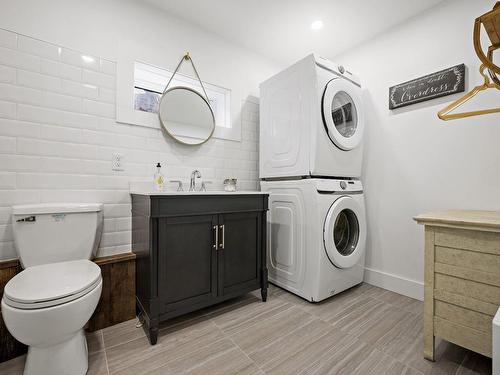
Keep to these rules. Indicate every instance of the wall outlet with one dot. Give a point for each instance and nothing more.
(116, 162)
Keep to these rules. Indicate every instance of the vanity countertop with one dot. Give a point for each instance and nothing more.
(209, 192)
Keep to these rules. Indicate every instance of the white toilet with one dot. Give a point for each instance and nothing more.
(47, 305)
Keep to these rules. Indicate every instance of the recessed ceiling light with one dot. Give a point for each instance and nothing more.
(316, 25)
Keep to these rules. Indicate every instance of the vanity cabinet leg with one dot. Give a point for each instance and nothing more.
(263, 293)
(263, 290)
(151, 328)
(153, 334)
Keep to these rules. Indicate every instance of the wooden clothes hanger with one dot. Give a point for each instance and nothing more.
(444, 114)
(491, 22)
(493, 75)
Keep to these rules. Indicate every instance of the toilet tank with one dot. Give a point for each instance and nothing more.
(56, 232)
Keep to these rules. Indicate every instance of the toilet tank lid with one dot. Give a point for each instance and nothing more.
(52, 208)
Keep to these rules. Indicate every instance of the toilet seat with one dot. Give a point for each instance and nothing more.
(52, 284)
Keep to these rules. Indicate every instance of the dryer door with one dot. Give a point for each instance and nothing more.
(344, 232)
(342, 113)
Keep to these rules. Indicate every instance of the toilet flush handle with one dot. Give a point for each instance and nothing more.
(26, 219)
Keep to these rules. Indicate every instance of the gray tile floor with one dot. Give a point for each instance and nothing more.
(366, 330)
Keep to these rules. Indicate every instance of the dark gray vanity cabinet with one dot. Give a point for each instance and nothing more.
(194, 251)
(187, 261)
(242, 242)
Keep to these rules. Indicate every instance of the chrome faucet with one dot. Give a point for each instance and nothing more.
(194, 175)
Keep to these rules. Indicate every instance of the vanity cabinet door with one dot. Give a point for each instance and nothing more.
(187, 261)
(239, 251)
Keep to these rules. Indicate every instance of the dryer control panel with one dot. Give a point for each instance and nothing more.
(337, 69)
(334, 186)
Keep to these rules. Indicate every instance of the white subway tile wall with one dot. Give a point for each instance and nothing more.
(58, 136)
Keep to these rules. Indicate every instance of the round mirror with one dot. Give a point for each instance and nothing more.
(186, 115)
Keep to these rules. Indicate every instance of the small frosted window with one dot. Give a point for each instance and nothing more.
(146, 100)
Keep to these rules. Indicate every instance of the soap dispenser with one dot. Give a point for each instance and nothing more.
(159, 180)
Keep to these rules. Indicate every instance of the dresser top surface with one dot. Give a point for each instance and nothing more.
(469, 218)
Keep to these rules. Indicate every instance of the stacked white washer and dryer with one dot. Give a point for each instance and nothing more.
(311, 131)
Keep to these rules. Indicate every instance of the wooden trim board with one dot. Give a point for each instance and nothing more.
(114, 258)
(9, 263)
(117, 303)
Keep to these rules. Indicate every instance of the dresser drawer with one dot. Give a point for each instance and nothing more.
(468, 259)
(466, 302)
(463, 316)
(468, 288)
(489, 278)
(470, 338)
(483, 242)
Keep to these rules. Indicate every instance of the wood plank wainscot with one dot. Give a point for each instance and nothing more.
(117, 303)
(462, 278)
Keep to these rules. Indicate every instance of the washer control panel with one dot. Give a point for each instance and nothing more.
(332, 186)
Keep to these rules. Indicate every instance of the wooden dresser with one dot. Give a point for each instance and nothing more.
(462, 278)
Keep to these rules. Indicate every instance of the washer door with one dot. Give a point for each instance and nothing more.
(342, 113)
(344, 232)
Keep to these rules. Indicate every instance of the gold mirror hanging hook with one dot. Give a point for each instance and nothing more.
(187, 57)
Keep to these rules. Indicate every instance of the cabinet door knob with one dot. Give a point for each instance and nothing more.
(223, 228)
(216, 232)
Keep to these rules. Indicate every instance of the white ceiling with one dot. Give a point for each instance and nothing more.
(280, 29)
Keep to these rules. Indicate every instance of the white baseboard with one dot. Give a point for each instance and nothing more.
(395, 283)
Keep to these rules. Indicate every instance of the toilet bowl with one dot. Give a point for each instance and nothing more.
(47, 305)
(50, 317)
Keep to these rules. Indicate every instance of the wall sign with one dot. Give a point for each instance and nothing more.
(445, 82)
